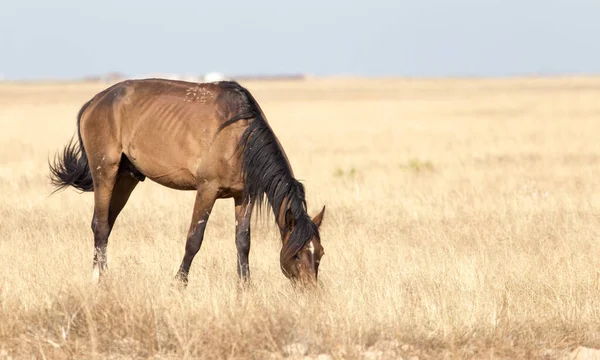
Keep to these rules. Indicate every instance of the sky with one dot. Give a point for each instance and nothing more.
(65, 39)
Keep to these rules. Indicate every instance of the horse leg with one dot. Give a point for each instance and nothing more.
(121, 192)
(243, 213)
(104, 183)
(105, 216)
(205, 199)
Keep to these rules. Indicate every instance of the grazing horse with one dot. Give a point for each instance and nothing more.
(209, 137)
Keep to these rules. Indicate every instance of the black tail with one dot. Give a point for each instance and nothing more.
(72, 168)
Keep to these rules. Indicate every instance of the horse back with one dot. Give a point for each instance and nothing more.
(168, 130)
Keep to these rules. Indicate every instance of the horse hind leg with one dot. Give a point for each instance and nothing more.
(111, 192)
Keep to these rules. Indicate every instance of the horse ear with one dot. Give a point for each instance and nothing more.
(319, 218)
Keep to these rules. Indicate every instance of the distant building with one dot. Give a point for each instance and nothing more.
(214, 76)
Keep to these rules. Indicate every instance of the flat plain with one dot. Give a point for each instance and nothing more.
(462, 221)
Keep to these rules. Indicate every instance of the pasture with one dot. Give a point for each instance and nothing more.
(462, 221)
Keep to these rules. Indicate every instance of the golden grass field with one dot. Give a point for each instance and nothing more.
(462, 221)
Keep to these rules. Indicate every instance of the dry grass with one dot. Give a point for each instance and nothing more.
(462, 221)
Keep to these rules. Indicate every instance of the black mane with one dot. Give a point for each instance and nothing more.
(267, 172)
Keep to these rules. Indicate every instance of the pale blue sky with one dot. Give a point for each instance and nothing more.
(74, 38)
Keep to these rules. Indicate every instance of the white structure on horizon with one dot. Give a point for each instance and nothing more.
(214, 76)
(208, 77)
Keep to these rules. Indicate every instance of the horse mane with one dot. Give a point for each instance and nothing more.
(267, 173)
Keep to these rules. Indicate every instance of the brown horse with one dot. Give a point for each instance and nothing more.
(210, 137)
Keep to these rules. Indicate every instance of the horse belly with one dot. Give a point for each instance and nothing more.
(164, 166)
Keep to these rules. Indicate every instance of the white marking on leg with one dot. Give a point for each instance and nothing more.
(96, 274)
(201, 221)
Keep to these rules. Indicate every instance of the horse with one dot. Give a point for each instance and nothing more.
(212, 138)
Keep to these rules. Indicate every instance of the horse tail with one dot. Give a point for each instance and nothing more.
(72, 168)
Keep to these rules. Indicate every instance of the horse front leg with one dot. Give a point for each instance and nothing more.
(205, 199)
(243, 214)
